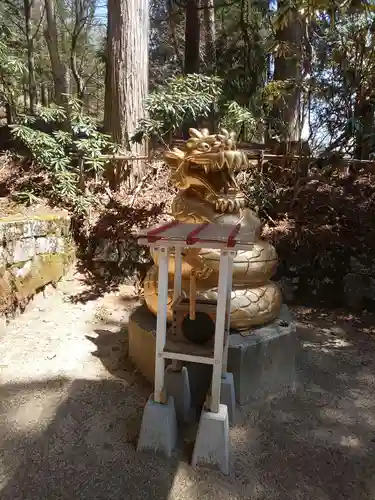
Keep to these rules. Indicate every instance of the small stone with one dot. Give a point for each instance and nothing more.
(22, 272)
(20, 250)
(49, 244)
(15, 229)
(40, 227)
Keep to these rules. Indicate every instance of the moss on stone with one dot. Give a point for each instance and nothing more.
(13, 228)
(6, 296)
(21, 280)
(45, 268)
(23, 218)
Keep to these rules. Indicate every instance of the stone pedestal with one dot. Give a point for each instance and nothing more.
(262, 363)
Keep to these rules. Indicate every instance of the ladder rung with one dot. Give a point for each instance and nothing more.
(188, 357)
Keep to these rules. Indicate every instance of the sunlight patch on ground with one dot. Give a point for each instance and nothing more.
(33, 412)
(337, 415)
(327, 345)
(350, 441)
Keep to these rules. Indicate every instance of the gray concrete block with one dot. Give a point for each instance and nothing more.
(177, 386)
(159, 428)
(263, 363)
(227, 396)
(212, 442)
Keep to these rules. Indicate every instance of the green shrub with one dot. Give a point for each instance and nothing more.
(71, 151)
(182, 99)
(187, 98)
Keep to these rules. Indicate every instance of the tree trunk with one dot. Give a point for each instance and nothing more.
(25, 98)
(365, 132)
(285, 115)
(209, 34)
(172, 29)
(81, 14)
(44, 94)
(126, 81)
(10, 113)
(59, 72)
(192, 35)
(80, 86)
(28, 5)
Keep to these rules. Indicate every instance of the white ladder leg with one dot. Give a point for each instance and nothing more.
(222, 299)
(161, 325)
(229, 298)
(177, 273)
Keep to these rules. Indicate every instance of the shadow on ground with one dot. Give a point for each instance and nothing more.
(319, 442)
(94, 285)
(76, 439)
(110, 254)
(86, 451)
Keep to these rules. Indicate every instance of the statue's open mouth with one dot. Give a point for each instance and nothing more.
(207, 167)
(213, 173)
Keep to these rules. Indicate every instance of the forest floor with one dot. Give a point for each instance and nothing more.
(71, 405)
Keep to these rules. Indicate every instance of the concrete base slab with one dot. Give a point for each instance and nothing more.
(263, 363)
(159, 427)
(212, 442)
(177, 386)
(227, 396)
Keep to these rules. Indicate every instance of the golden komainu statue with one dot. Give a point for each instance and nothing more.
(204, 173)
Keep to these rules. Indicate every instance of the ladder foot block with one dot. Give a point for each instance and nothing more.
(228, 396)
(177, 386)
(159, 428)
(212, 443)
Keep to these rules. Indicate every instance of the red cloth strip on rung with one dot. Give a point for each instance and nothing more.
(191, 238)
(232, 237)
(154, 234)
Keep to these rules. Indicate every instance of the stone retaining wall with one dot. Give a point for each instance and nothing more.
(34, 251)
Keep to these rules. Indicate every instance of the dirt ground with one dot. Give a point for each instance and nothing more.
(71, 405)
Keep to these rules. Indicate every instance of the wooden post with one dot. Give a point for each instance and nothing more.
(176, 364)
(161, 325)
(192, 295)
(227, 327)
(177, 273)
(224, 269)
